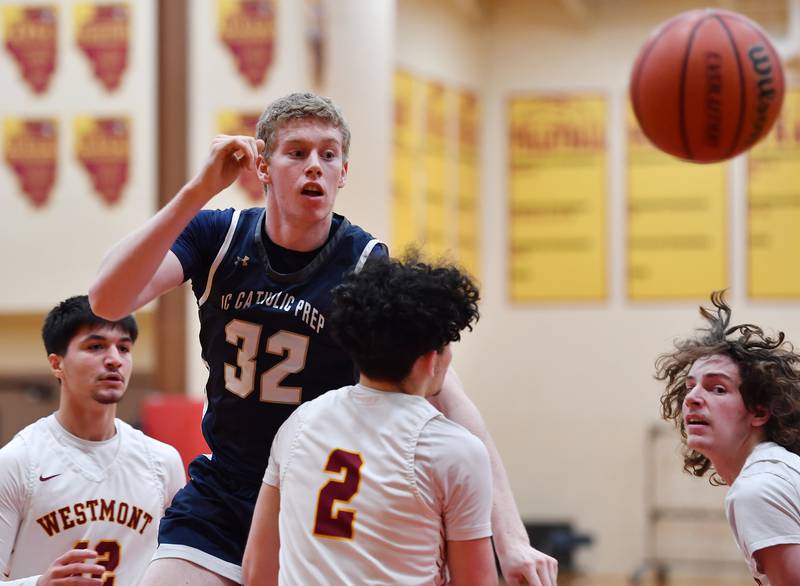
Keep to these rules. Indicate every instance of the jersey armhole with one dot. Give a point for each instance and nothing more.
(220, 255)
(365, 254)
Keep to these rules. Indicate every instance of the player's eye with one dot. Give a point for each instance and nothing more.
(328, 155)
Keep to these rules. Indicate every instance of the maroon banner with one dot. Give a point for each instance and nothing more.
(247, 29)
(102, 32)
(31, 35)
(102, 145)
(31, 150)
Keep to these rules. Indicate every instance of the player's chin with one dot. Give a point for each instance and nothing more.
(698, 443)
(109, 396)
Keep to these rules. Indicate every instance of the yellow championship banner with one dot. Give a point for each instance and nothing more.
(558, 190)
(468, 204)
(677, 223)
(437, 227)
(773, 200)
(406, 213)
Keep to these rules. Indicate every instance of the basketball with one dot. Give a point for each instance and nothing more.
(707, 85)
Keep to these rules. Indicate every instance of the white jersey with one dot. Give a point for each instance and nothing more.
(372, 484)
(763, 504)
(59, 492)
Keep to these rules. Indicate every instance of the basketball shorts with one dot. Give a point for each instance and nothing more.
(209, 520)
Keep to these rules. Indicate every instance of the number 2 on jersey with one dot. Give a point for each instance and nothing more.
(240, 379)
(338, 523)
(108, 555)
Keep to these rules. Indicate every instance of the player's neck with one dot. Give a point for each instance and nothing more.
(730, 464)
(391, 387)
(94, 424)
(301, 237)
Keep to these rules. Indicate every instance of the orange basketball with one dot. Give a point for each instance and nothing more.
(707, 85)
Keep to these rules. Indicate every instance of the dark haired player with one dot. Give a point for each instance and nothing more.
(263, 279)
(82, 492)
(734, 394)
(373, 484)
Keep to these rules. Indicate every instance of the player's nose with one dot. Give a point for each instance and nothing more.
(113, 357)
(313, 166)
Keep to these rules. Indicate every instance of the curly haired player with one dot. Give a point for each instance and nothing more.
(369, 483)
(734, 394)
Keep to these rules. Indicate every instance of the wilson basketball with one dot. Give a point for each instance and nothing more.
(707, 85)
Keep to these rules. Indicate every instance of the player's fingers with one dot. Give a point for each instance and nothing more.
(253, 151)
(552, 567)
(76, 569)
(244, 150)
(530, 576)
(77, 581)
(76, 555)
(260, 145)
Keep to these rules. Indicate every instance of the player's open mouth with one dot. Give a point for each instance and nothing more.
(695, 421)
(112, 377)
(312, 190)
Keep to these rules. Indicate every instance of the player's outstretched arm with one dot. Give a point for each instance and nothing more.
(260, 564)
(471, 563)
(519, 561)
(141, 267)
(781, 563)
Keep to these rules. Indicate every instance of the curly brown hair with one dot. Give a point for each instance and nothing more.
(769, 371)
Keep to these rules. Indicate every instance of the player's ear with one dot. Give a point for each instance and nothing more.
(428, 363)
(262, 170)
(56, 364)
(343, 176)
(760, 416)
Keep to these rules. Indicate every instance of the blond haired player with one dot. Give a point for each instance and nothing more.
(81, 492)
(262, 279)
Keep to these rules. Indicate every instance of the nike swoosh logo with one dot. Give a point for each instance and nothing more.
(46, 478)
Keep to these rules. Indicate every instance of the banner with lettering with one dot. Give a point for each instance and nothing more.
(102, 147)
(247, 29)
(773, 204)
(406, 198)
(102, 33)
(30, 147)
(30, 35)
(437, 227)
(468, 192)
(558, 198)
(677, 223)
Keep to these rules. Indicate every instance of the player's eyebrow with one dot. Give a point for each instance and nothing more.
(710, 375)
(101, 338)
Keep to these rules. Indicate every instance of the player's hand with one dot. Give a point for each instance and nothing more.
(522, 564)
(72, 568)
(229, 156)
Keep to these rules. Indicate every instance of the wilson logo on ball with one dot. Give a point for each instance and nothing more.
(707, 85)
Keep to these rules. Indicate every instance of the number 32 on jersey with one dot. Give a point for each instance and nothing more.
(240, 378)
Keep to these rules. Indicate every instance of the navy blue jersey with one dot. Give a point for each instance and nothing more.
(263, 332)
